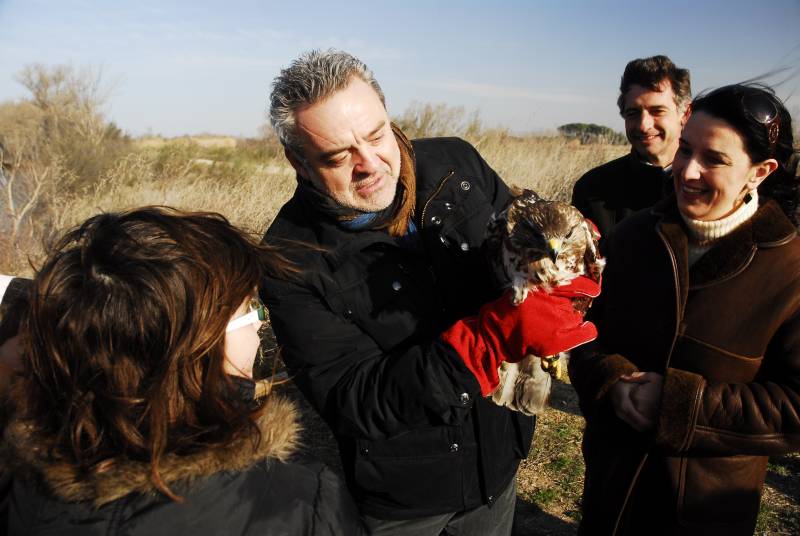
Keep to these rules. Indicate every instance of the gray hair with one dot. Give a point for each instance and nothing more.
(312, 77)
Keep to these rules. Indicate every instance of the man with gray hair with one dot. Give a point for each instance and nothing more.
(654, 103)
(394, 329)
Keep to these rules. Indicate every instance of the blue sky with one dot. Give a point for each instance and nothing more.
(186, 67)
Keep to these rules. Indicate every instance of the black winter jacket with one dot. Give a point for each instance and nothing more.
(361, 336)
(232, 490)
(610, 193)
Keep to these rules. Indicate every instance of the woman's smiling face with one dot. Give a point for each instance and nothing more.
(712, 170)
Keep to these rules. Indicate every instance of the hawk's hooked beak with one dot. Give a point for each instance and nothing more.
(554, 248)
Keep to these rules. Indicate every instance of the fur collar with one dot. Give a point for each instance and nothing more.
(769, 227)
(24, 451)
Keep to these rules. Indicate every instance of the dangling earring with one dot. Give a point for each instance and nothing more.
(748, 197)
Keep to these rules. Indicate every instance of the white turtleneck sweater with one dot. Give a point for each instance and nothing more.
(702, 234)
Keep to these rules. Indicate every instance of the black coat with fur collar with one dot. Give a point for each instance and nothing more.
(235, 490)
(361, 335)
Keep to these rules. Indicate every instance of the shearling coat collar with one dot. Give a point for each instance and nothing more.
(729, 255)
(25, 451)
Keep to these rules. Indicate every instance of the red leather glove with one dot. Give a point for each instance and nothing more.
(544, 325)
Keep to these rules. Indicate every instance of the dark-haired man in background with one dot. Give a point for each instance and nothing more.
(654, 102)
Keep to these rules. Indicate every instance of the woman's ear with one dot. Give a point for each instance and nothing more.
(761, 171)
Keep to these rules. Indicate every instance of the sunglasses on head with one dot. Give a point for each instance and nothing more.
(256, 312)
(762, 109)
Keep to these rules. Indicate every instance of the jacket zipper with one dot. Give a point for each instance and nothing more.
(435, 193)
(669, 358)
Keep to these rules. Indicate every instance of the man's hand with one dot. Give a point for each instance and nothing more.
(543, 324)
(636, 399)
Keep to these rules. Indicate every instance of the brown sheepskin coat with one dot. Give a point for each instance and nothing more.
(725, 334)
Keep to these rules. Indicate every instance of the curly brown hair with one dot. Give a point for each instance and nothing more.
(123, 338)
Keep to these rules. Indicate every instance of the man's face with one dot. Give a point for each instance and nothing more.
(653, 122)
(349, 150)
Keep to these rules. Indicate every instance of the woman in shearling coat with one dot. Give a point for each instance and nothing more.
(695, 378)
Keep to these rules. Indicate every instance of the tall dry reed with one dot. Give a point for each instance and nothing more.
(64, 162)
(250, 192)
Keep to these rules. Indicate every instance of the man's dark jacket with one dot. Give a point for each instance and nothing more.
(610, 193)
(360, 334)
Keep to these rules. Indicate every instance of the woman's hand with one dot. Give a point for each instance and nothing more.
(636, 399)
(646, 396)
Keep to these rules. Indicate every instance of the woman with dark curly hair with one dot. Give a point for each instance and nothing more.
(134, 411)
(695, 378)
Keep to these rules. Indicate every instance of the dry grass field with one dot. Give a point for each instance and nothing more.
(247, 182)
(54, 177)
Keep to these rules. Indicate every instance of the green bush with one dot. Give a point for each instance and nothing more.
(592, 133)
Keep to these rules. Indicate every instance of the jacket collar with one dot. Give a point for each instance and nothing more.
(27, 452)
(638, 164)
(729, 255)
(435, 168)
(431, 168)
(427, 167)
(639, 172)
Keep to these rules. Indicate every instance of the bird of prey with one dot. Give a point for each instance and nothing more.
(538, 245)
